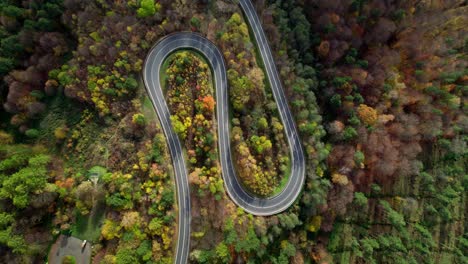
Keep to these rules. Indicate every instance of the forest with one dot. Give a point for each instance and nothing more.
(377, 89)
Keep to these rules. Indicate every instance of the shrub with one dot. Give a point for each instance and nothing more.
(139, 119)
(32, 133)
(147, 8)
(131, 83)
(5, 138)
(60, 133)
(335, 101)
(6, 65)
(398, 15)
(360, 199)
(195, 22)
(349, 133)
(359, 158)
(367, 114)
(69, 260)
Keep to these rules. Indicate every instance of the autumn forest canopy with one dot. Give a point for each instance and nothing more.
(377, 90)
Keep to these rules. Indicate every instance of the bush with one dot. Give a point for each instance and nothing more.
(349, 133)
(335, 101)
(359, 158)
(367, 114)
(399, 15)
(139, 119)
(126, 256)
(360, 199)
(69, 260)
(147, 8)
(60, 133)
(6, 65)
(131, 83)
(32, 133)
(195, 22)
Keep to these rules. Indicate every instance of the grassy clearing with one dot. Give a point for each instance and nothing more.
(162, 73)
(148, 109)
(61, 111)
(88, 227)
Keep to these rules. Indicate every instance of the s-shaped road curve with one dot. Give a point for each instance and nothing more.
(252, 204)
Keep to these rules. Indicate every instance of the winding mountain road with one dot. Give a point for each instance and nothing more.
(250, 203)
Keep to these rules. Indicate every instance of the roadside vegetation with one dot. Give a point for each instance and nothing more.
(190, 95)
(260, 151)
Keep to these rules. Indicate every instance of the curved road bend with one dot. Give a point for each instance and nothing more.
(250, 203)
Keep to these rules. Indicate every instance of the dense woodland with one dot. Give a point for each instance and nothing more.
(378, 90)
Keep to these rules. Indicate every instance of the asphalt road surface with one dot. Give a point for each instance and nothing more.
(69, 246)
(250, 203)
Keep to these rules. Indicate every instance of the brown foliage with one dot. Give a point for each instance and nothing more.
(367, 114)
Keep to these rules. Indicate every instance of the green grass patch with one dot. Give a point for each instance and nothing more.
(284, 180)
(61, 111)
(88, 227)
(146, 102)
(148, 109)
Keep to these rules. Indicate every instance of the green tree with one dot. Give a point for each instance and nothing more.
(139, 119)
(360, 199)
(11, 10)
(195, 22)
(241, 88)
(131, 83)
(15, 242)
(10, 46)
(261, 144)
(287, 248)
(179, 127)
(289, 221)
(30, 179)
(32, 133)
(359, 158)
(147, 8)
(222, 253)
(6, 219)
(349, 133)
(395, 218)
(126, 256)
(201, 256)
(156, 226)
(144, 250)
(262, 123)
(110, 229)
(335, 101)
(6, 65)
(119, 201)
(301, 29)
(230, 232)
(250, 243)
(368, 245)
